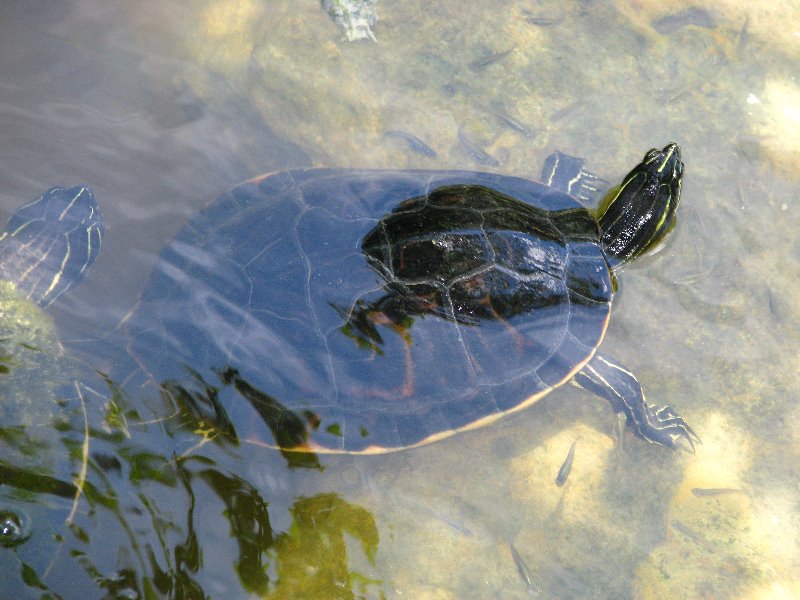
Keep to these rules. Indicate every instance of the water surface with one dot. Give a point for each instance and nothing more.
(162, 106)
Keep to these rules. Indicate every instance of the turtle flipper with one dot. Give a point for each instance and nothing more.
(566, 174)
(618, 385)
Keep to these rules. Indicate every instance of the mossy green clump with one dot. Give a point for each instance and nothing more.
(30, 361)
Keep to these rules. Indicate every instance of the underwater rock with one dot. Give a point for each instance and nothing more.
(356, 17)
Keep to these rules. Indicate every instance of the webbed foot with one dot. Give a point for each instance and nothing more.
(619, 386)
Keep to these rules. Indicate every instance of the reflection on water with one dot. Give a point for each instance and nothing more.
(161, 106)
(144, 518)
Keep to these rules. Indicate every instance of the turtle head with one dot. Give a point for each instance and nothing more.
(636, 215)
(50, 243)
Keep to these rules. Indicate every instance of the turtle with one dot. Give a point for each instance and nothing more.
(361, 311)
(45, 249)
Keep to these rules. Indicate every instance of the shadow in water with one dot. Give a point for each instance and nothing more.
(114, 510)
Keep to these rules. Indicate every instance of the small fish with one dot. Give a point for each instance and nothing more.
(618, 431)
(563, 112)
(523, 570)
(692, 535)
(563, 472)
(744, 37)
(511, 122)
(691, 16)
(544, 21)
(709, 65)
(488, 60)
(460, 527)
(715, 491)
(775, 307)
(416, 505)
(416, 144)
(475, 152)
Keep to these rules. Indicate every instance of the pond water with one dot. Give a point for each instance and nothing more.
(162, 106)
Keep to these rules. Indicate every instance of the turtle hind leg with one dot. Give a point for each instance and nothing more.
(618, 385)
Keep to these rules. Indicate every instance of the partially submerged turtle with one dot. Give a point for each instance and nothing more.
(369, 311)
(44, 250)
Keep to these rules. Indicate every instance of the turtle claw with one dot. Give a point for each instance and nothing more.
(664, 426)
(618, 385)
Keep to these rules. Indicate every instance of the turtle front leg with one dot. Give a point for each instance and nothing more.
(618, 385)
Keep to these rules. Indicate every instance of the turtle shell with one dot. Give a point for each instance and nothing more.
(369, 311)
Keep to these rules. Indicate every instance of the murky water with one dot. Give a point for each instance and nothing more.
(162, 106)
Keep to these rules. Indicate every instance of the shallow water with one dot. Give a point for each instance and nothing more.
(162, 106)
